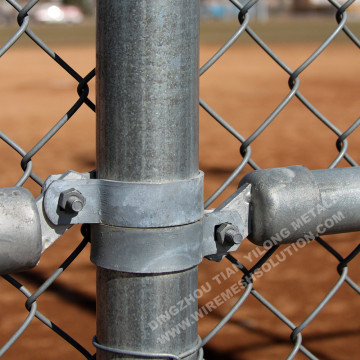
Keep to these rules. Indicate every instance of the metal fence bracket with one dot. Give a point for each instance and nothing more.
(272, 206)
(126, 204)
(293, 203)
(20, 232)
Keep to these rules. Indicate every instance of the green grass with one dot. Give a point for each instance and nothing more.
(279, 31)
(54, 34)
(211, 32)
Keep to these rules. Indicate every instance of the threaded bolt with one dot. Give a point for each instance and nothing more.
(232, 237)
(74, 204)
(228, 233)
(71, 201)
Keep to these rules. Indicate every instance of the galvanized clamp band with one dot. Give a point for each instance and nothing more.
(146, 251)
(128, 204)
(172, 248)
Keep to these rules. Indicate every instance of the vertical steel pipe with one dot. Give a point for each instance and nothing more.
(147, 131)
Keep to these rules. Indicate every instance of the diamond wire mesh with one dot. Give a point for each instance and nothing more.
(23, 20)
(244, 17)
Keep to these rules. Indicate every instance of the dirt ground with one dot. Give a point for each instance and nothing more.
(244, 87)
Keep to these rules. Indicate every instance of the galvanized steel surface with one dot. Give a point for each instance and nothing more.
(128, 204)
(127, 303)
(304, 199)
(159, 115)
(148, 251)
(20, 233)
(147, 132)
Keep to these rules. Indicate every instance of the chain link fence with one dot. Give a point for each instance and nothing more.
(267, 257)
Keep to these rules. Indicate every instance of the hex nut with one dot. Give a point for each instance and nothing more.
(228, 234)
(71, 201)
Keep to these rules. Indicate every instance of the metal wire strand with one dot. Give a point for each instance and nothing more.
(27, 321)
(31, 305)
(148, 355)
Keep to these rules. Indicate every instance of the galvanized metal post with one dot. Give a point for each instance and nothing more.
(147, 132)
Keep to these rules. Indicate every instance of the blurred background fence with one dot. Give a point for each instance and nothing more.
(281, 88)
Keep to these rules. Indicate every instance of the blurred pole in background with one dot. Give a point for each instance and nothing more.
(261, 10)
